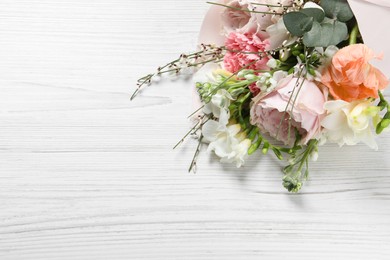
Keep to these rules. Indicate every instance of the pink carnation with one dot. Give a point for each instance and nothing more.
(243, 52)
(254, 89)
(268, 112)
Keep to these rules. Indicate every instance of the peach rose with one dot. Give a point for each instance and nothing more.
(350, 77)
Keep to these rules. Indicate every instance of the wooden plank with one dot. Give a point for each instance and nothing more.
(87, 174)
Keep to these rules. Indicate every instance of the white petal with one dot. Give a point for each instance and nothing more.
(208, 108)
(331, 51)
(224, 117)
(210, 130)
(234, 129)
(312, 5)
(334, 121)
(368, 138)
(335, 105)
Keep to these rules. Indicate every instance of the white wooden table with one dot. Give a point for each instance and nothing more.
(87, 174)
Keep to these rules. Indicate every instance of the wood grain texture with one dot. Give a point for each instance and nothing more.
(86, 174)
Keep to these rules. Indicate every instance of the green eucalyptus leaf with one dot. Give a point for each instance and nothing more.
(337, 9)
(295, 23)
(306, 24)
(325, 34)
(316, 13)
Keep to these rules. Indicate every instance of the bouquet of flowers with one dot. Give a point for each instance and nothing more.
(282, 77)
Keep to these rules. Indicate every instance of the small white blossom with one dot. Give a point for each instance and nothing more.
(250, 76)
(240, 153)
(243, 73)
(268, 82)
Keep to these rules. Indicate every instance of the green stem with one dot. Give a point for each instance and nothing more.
(193, 163)
(353, 35)
(270, 5)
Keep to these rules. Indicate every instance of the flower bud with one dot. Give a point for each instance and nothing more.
(273, 63)
(250, 77)
(265, 148)
(314, 156)
(284, 54)
(244, 73)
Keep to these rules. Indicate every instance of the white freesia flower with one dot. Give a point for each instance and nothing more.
(350, 123)
(225, 140)
(213, 129)
(219, 101)
(240, 153)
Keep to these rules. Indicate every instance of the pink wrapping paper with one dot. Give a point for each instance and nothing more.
(211, 29)
(373, 17)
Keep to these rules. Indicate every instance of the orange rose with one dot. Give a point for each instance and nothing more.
(350, 77)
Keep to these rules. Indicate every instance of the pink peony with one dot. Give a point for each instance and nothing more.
(243, 49)
(267, 112)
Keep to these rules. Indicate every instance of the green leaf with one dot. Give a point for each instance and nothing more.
(337, 9)
(316, 13)
(325, 34)
(296, 23)
(306, 24)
